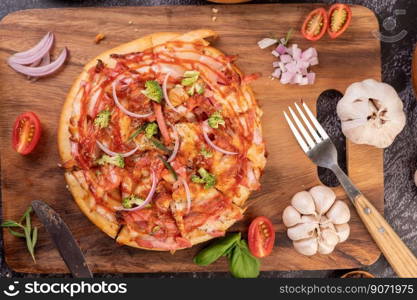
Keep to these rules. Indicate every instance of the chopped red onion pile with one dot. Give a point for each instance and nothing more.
(292, 66)
(293, 63)
(35, 62)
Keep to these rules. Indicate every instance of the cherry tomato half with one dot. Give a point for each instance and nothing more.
(315, 25)
(261, 237)
(339, 19)
(26, 133)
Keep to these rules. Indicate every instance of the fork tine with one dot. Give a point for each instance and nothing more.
(304, 132)
(315, 122)
(296, 134)
(310, 128)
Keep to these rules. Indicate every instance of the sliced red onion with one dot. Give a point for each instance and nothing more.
(120, 106)
(217, 148)
(149, 197)
(176, 146)
(35, 53)
(275, 64)
(112, 153)
(281, 49)
(42, 62)
(286, 77)
(275, 53)
(311, 77)
(285, 58)
(266, 42)
(164, 89)
(276, 73)
(43, 70)
(187, 193)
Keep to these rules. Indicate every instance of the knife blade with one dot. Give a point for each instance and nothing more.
(63, 239)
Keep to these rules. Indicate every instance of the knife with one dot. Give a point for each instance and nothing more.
(63, 240)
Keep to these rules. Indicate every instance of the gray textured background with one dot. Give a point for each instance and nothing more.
(400, 159)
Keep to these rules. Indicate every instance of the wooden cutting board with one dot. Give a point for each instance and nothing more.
(353, 57)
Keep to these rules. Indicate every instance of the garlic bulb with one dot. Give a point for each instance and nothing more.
(371, 113)
(316, 221)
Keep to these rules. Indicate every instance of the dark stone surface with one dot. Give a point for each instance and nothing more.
(400, 159)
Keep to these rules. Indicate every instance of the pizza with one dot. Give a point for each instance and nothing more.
(161, 141)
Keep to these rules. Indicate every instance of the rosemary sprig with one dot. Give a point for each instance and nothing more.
(29, 233)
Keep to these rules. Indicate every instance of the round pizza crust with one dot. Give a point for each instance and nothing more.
(82, 196)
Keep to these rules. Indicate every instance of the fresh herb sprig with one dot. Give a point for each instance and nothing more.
(242, 263)
(28, 232)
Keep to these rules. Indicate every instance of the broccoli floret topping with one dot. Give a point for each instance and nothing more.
(191, 80)
(206, 153)
(190, 77)
(153, 91)
(131, 201)
(151, 129)
(113, 160)
(209, 180)
(215, 120)
(102, 120)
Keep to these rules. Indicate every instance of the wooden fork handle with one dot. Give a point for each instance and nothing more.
(401, 259)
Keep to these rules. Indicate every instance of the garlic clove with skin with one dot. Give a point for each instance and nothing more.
(291, 216)
(301, 231)
(323, 197)
(304, 203)
(306, 247)
(343, 231)
(339, 213)
(324, 248)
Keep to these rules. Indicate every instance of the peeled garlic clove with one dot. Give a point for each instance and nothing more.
(291, 216)
(339, 213)
(343, 231)
(306, 246)
(324, 248)
(323, 197)
(304, 203)
(301, 231)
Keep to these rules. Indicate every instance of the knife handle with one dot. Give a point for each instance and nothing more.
(399, 256)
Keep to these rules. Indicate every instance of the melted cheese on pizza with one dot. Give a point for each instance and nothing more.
(206, 95)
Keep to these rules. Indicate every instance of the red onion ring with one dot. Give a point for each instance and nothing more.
(176, 146)
(206, 137)
(43, 70)
(35, 53)
(120, 106)
(149, 197)
(164, 89)
(111, 153)
(187, 193)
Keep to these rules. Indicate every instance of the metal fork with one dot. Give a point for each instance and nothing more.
(315, 142)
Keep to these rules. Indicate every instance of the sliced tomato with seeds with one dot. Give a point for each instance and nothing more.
(315, 25)
(261, 237)
(26, 133)
(340, 16)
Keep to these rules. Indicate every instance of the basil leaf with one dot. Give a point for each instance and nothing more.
(216, 250)
(242, 263)
(11, 223)
(15, 233)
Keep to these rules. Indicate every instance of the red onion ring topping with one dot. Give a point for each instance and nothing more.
(120, 106)
(149, 197)
(217, 148)
(112, 153)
